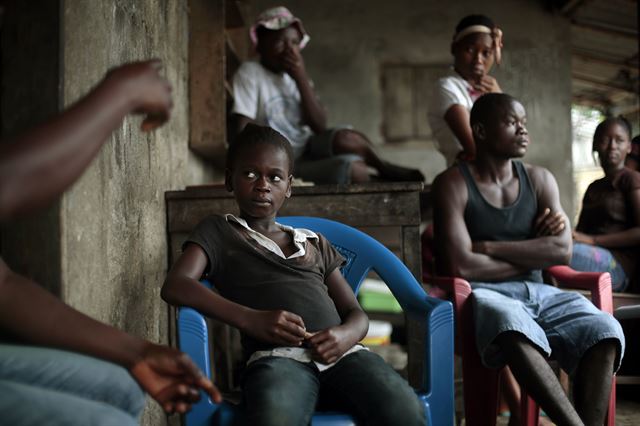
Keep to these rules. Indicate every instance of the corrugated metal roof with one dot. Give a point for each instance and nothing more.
(604, 53)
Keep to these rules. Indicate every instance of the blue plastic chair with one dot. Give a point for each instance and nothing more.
(363, 254)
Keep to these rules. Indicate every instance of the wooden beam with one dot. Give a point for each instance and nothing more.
(570, 7)
(626, 109)
(598, 103)
(233, 15)
(602, 84)
(603, 61)
(631, 61)
(606, 31)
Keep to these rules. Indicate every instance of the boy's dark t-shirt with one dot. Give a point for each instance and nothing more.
(244, 272)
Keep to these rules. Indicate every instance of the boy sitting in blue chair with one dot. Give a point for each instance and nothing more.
(282, 288)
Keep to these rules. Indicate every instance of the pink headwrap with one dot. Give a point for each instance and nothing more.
(278, 18)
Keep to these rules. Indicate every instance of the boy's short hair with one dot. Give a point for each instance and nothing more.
(620, 120)
(254, 135)
(485, 107)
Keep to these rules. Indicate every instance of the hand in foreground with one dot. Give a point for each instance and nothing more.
(294, 64)
(584, 238)
(279, 327)
(549, 224)
(487, 84)
(149, 92)
(171, 378)
(330, 344)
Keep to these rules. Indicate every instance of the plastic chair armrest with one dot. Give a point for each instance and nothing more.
(457, 289)
(598, 283)
(435, 317)
(193, 339)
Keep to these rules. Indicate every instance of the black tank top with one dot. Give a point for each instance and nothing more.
(486, 222)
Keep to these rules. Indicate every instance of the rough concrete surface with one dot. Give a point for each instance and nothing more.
(105, 241)
(350, 40)
(113, 219)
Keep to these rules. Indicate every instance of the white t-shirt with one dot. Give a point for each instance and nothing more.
(448, 91)
(272, 100)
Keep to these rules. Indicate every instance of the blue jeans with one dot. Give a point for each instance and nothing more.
(281, 391)
(42, 386)
(588, 258)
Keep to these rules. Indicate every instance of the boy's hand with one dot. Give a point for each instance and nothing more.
(148, 92)
(294, 64)
(171, 378)
(548, 223)
(279, 327)
(330, 344)
(487, 84)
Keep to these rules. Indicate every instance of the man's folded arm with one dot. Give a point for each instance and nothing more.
(454, 248)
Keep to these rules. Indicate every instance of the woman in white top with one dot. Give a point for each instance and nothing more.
(476, 45)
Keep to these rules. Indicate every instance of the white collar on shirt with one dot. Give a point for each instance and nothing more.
(454, 73)
(300, 237)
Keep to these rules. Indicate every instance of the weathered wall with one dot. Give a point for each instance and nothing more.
(351, 39)
(113, 239)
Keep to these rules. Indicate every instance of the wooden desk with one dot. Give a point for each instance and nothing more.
(389, 212)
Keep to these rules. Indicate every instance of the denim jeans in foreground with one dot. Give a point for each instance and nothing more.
(42, 386)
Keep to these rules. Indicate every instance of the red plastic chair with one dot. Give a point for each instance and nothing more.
(480, 384)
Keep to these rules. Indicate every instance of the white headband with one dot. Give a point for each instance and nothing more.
(472, 29)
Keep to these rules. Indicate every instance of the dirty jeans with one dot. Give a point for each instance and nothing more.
(281, 391)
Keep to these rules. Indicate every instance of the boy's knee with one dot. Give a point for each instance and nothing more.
(279, 391)
(274, 409)
(511, 338)
(604, 352)
(346, 139)
(400, 410)
(514, 344)
(359, 172)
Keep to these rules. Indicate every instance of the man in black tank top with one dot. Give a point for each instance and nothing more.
(498, 222)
